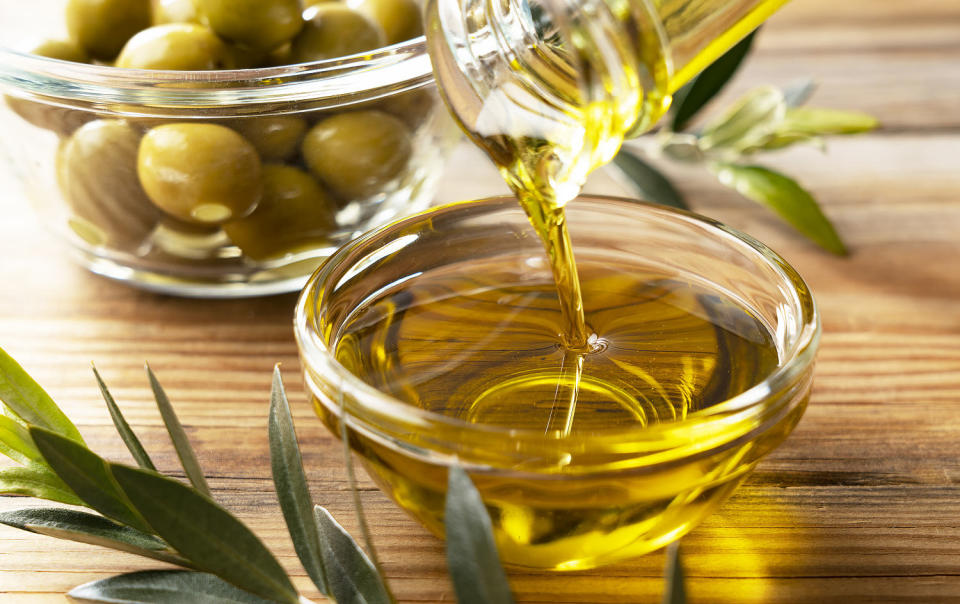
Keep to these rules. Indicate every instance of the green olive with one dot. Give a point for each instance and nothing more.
(334, 30)
(400, 19)
(175, 11)
(413, 107)
(97, 173)
(275, 137)
(262, 24)
(175, 240)
(357, 153)
(61, 120)
(294, 211)
(102, 27)
(281, 55)
(245, 57)
(200, 173)
(180, 46)
(64, 50)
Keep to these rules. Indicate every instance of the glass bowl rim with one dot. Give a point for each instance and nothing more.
(363, 76)
(744, 408)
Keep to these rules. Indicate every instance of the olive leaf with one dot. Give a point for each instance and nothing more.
(36, 481)
(163, 587)
(784, 196)
(15, 442)
(25, 398)
(88, 528)
(753, 117)
(88, 475)
(179, 437)
(351, 574)
(680, 147)
(472, 559)
(123, 428)
(205, 533)
(778, 140)
(798, 93)
(808, 125)
(291, 485)
(648, 181)
(355, 492)
(700, 90)
(674, 591)
(820, 121)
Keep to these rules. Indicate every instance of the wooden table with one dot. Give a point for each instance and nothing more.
(862, 503)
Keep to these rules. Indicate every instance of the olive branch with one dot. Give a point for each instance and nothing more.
(765, 119)
(143, 512)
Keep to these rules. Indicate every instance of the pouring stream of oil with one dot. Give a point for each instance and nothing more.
(563, 348)
(521, 342)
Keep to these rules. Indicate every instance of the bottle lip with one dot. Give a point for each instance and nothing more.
(317, 85)
(749, 413)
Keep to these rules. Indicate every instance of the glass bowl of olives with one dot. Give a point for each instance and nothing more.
(218, 148)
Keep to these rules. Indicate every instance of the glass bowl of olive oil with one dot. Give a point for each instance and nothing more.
(439, 339)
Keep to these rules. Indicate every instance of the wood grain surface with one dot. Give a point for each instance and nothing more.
(861, 504)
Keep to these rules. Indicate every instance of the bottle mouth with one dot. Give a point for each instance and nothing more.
(549, 88)
(428, 434)
(290, 88)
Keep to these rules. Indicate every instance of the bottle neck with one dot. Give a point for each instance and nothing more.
(549, 88)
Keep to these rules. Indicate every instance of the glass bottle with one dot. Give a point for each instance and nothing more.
(550, 88)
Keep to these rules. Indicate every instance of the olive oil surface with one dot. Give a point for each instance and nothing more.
(484, 342)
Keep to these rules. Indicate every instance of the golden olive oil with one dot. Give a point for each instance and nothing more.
(578, 351)
(480, 342)
(483, 343)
